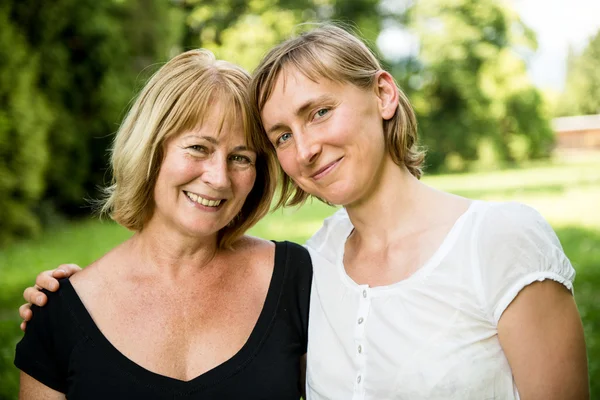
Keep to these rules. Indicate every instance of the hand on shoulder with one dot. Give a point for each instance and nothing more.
(45, 280)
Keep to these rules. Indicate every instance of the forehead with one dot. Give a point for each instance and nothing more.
(293, 89)
(222, 121)
(291, 78)
(294, 85)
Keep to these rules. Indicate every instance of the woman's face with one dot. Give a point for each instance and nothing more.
(328, 135)
(205, 176)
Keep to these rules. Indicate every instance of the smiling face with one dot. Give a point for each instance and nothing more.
(328, 135)
(205, 176)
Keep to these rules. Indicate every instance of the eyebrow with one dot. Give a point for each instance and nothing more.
(307, 105)
(214, 141)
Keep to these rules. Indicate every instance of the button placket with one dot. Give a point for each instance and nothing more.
(364, 305)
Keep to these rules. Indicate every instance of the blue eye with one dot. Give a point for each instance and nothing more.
(322, 112)
(284, 138)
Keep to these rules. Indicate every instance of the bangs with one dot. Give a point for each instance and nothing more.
(199, 102)
(303, 60)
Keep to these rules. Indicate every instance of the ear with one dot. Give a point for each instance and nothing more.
(387, 93)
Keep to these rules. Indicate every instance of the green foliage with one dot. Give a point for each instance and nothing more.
(68, 70)
(243, 31)
(582, 90)
(25, 122)
(91, 52)
(469, 84)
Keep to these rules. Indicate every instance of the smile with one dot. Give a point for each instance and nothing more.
(321, 173)
(201, 200)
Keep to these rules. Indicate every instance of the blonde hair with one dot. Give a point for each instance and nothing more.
(333, 53)
(176, 99)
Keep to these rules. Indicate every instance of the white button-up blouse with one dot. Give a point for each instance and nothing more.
(432, 335)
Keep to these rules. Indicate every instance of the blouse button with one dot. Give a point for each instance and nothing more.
(359, 349)
(360, 320)
(358, 379)
(365, 294)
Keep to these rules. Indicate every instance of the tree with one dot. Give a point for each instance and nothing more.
(582, 88)
(68, 70)
(25, 121)
(468, 82)
(242, 32)
(90, 54)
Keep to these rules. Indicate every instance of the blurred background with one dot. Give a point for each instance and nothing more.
(507, 94)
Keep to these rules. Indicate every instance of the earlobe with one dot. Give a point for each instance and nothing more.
(387, 92)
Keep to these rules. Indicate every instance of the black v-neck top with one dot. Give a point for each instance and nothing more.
(64, 349)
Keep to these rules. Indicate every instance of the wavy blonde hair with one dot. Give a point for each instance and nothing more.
(175, 100)
(333, 53)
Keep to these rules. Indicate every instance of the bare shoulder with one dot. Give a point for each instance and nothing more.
(253, 245)
(99, 273)
(256, 254)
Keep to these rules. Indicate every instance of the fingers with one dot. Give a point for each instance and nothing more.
(25, 312)
(34, 296)
(45, 281)
(65, 271)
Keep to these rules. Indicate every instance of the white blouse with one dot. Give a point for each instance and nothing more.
(433, 335)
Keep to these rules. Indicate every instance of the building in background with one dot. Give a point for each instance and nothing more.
(581, 132)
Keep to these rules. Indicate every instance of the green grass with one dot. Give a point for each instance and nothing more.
(567, 194)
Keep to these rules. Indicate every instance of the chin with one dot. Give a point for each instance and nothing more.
(202, 230)
(337, 198)
(341, 193)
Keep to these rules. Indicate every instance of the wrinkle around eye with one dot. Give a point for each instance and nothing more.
(198, 148)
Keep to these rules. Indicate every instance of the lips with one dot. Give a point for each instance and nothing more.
(325, 170)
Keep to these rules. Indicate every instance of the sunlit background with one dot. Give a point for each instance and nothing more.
(507, 94)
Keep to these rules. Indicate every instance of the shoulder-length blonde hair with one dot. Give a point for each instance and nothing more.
(175, 99)
(330, 52)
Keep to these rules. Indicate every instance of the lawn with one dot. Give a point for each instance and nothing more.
(566, 193)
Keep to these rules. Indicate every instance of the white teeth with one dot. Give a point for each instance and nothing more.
(203, 201)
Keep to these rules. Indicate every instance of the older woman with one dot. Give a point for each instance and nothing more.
(188, 307)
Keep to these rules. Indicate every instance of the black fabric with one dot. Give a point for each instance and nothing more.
(63, 348)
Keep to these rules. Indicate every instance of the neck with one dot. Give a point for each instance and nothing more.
(171, 253)
(394, 208)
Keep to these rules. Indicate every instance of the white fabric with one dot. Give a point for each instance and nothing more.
(432, 335)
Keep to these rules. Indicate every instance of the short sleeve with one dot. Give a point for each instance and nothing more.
(39, 353)
(516, 247)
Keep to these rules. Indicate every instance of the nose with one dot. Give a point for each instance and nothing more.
(216, 174)
(307, 148)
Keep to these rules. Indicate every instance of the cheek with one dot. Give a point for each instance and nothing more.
(173, 173)
(180, 170)
(245, 182)
(287, 160)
